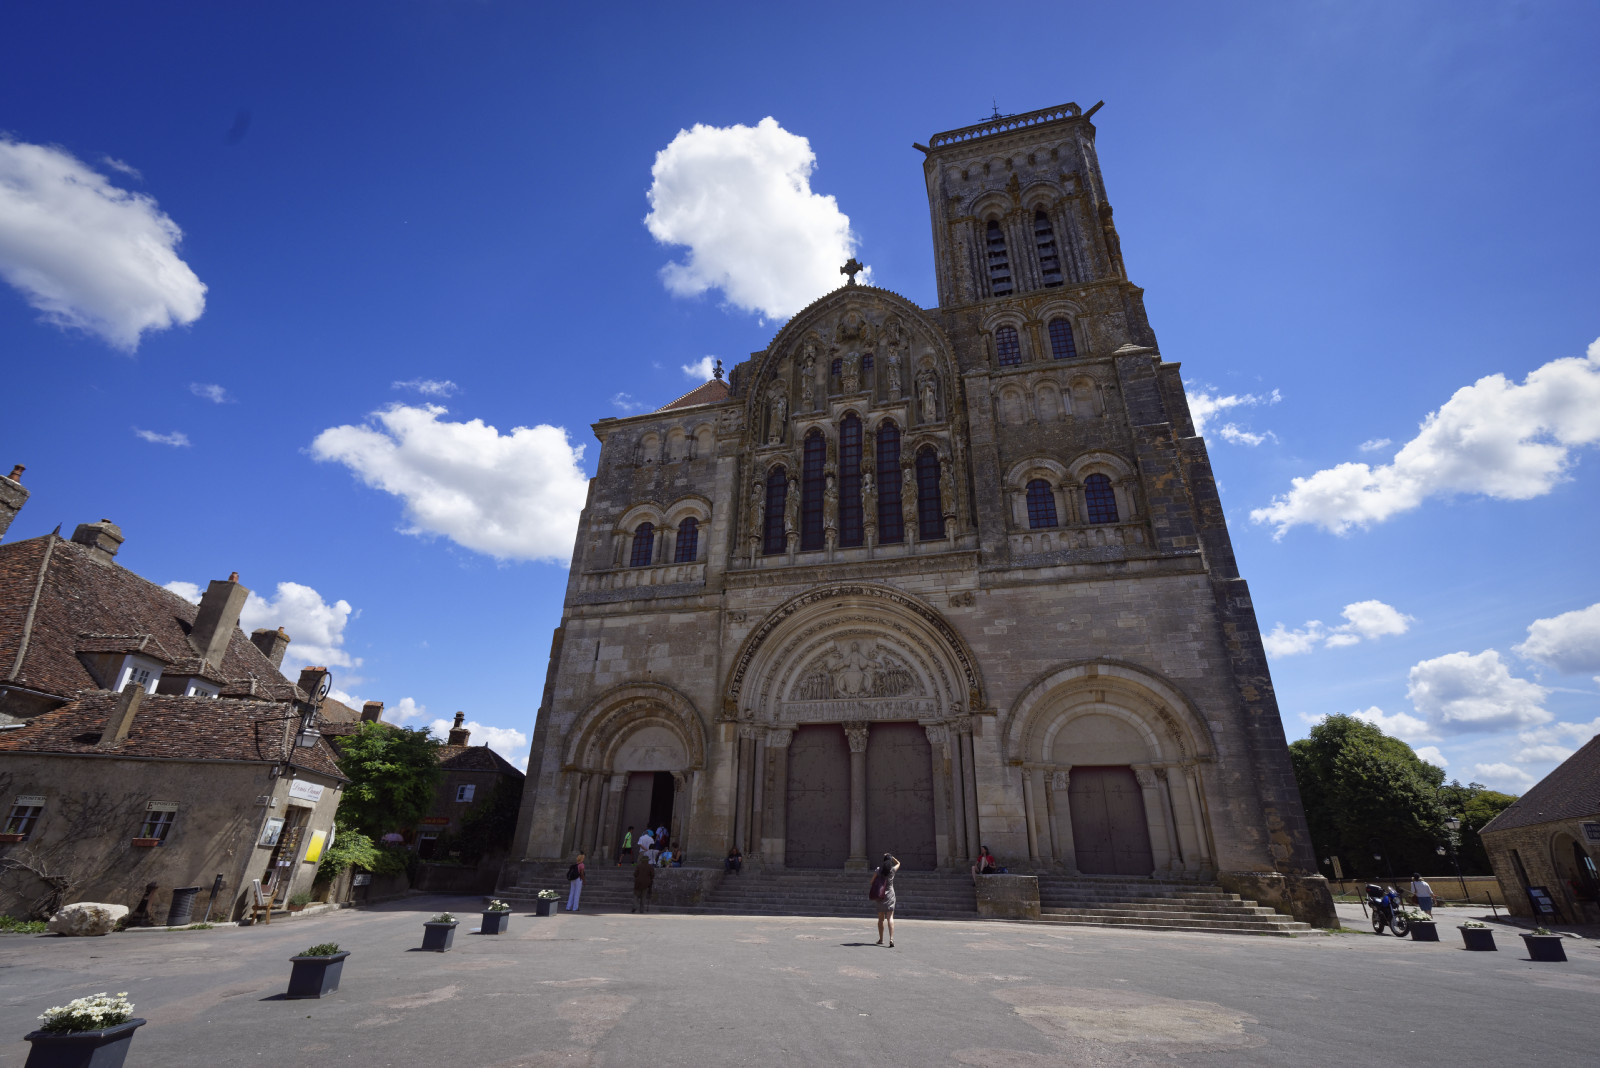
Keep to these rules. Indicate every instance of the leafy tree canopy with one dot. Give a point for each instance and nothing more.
(491, 824)
(394, 773)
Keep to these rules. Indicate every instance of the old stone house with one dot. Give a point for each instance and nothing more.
(1548, 840)
(144, 739)
(472, 773)
(928, 579)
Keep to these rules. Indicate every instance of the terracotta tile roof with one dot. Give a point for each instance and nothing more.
(87, 606)
(475, 758)
(171, 727)
(713, 392)
(1571, 791)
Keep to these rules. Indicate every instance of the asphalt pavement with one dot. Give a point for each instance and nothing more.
(618, 989)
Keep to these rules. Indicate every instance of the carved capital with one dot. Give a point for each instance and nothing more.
(750, 731)
(1061, 781)
(779, 739)
(938, 733)
(857, 734)
(1146, 777)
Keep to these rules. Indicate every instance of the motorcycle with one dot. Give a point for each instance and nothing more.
(1385, 910)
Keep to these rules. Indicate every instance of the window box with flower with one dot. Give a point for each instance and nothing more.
(91, 1031)
(496, 918)
(439, 933)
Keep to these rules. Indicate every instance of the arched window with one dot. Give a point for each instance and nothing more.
(850, 520)
(1061, 346)
(772, 536)
(1044, 239)
(1006, 350)
(930, 509)
(812, 484)
(1100, 499)
(644, 541)
(688, 541)
(891, 528)
(999, 262)
(1041, 505)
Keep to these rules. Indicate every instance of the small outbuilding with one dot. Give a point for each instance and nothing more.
(1544, 846)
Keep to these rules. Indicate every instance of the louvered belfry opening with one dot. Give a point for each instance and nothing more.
(999, 262)
(812, 485)
(850, 518)
(1044, 239)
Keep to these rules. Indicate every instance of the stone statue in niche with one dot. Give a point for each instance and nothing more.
(947, 493)
(850, 376)
(894, 375)
(908, 499)
(780, 415)
(853, 327)
(791, 509)
(830, 506)
(869, 497)
(928, 394)
(758, 511)
(808, 379)
(1113, 243)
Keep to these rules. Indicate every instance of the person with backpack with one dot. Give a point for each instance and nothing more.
(575, 882)
(882, 892)
(644, 881)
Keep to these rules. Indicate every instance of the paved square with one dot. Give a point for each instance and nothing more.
(619, 989)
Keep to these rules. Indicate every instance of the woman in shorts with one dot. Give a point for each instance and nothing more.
(885, 873)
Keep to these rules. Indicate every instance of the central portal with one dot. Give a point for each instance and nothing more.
(818, 821)
(900, 796)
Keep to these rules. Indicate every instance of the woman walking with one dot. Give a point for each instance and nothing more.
(575, 881)
(882, 890)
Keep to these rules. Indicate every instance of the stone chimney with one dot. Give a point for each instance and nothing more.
(311, 678)
(458, 733)
(103, 539)
(120, 721)
(13, 495)
(372, 712)
(272, 643)
(218, 617)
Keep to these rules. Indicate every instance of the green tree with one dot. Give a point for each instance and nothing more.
(1474, 805)
(490, 824)
(394, 774)
(1364, 793)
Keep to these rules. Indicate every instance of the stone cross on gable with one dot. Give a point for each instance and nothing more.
(852, 268)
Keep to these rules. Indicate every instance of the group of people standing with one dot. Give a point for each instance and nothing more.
(654, 845)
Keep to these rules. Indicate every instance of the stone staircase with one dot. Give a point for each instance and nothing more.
(1087, 900)
(921, 895)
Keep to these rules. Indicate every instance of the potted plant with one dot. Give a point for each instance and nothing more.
(1477, 936)
(299, 901)
(1543, 944)
(1423, 927)
(439, 933)
(93, 1031)
(547, 900)
(316, 971)
(146, 843)
(496, 917)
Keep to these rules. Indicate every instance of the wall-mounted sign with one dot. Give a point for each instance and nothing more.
(264, 800)
(1541, 901)
(436, 821)
(161, 806)
(314, 850)
(1591, 831)
(362, 879)
(271, 831)
(306, 791)
(37, 801)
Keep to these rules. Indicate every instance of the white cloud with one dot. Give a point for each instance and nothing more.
(1205, 403)
(1363, 619)
(1374, 444)
(1496, 438)
(1569, 643)
(739, 197)
(1555, 754)
(124, 167)
(405, 711)
(508, 742)
(1459, 692)
(210, 391)
(513, 496)
(1575, 734)
(428, 387)
(177, 438)
(1504, 777)
(701, 370)
(1431, 754)
(87, 255)
(625, 403)
(315, 627)
(1406, 727)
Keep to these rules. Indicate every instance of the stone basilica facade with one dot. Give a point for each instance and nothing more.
(922, 580)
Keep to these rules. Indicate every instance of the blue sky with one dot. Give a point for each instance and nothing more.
(1342, 214)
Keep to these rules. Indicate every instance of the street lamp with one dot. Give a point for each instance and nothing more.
(1453, 825)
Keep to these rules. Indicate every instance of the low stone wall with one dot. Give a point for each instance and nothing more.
(1008, 897)
(686, 886)
(1307, 898)
(456, 879)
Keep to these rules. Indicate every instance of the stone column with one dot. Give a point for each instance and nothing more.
(741, 806)
(1160, 851)
(580, 829)
(939, 753)
(857, 735)
(777, 822)
(679, 827)
(758, 776)
(1180, 855)
(575, 797)
(1029, 818)
(606, 845)
(958, 795)
(1203, 854)
(969, 776)
(597, 809)
(1060, 785)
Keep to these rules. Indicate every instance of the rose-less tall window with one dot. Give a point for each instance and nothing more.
(999, 261)
(1007, 351)
(930, 509)
(850, 520)
(812, 485)
(772, 535)
(1041, 504)
(891, 528)
(1100, 499)
(688, 541)
(1061, 346)
(644, 537)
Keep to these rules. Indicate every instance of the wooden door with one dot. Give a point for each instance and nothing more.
(900, 796)
(1108, 825)
(635, 807)
(817, 822)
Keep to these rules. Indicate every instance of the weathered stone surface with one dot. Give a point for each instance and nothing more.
(1008, 897)
(1305, 897)
(87, 918)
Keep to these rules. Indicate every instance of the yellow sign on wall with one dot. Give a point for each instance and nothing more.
(314, 850)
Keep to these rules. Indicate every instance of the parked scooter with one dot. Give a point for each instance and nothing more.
(1385, 910)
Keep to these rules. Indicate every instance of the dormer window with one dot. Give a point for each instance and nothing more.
(199, 688)
(138, 670)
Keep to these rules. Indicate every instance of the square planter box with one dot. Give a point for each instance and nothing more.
(315, 977)
(1479, 939)
(438, 937)
(82, 1049)
(145, 843)
(1424, 931)
(542, 907)
(496, 922)
(1544, 947)
(7, 839)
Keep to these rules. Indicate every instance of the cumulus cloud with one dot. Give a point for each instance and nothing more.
(177, 438)
(86, 254)
(1368, 620)
(405, 711)
(1569, 643)
(1406, 727)
(210, 391)
(701, 370)
(739, 199)
(1233, 435)
(315, 627)
(1496, 438)
(508, 742)
(122, 167)
(1555, 754)
(1374, 444)
(1205, 404)
(513, 496)
(1506, 777)
(1573, 734)
(1460, 692)
(1431, 754)
(428, 387)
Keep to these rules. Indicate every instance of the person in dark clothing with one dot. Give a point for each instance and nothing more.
(644, 881)
(886, 902)
(734, 861)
